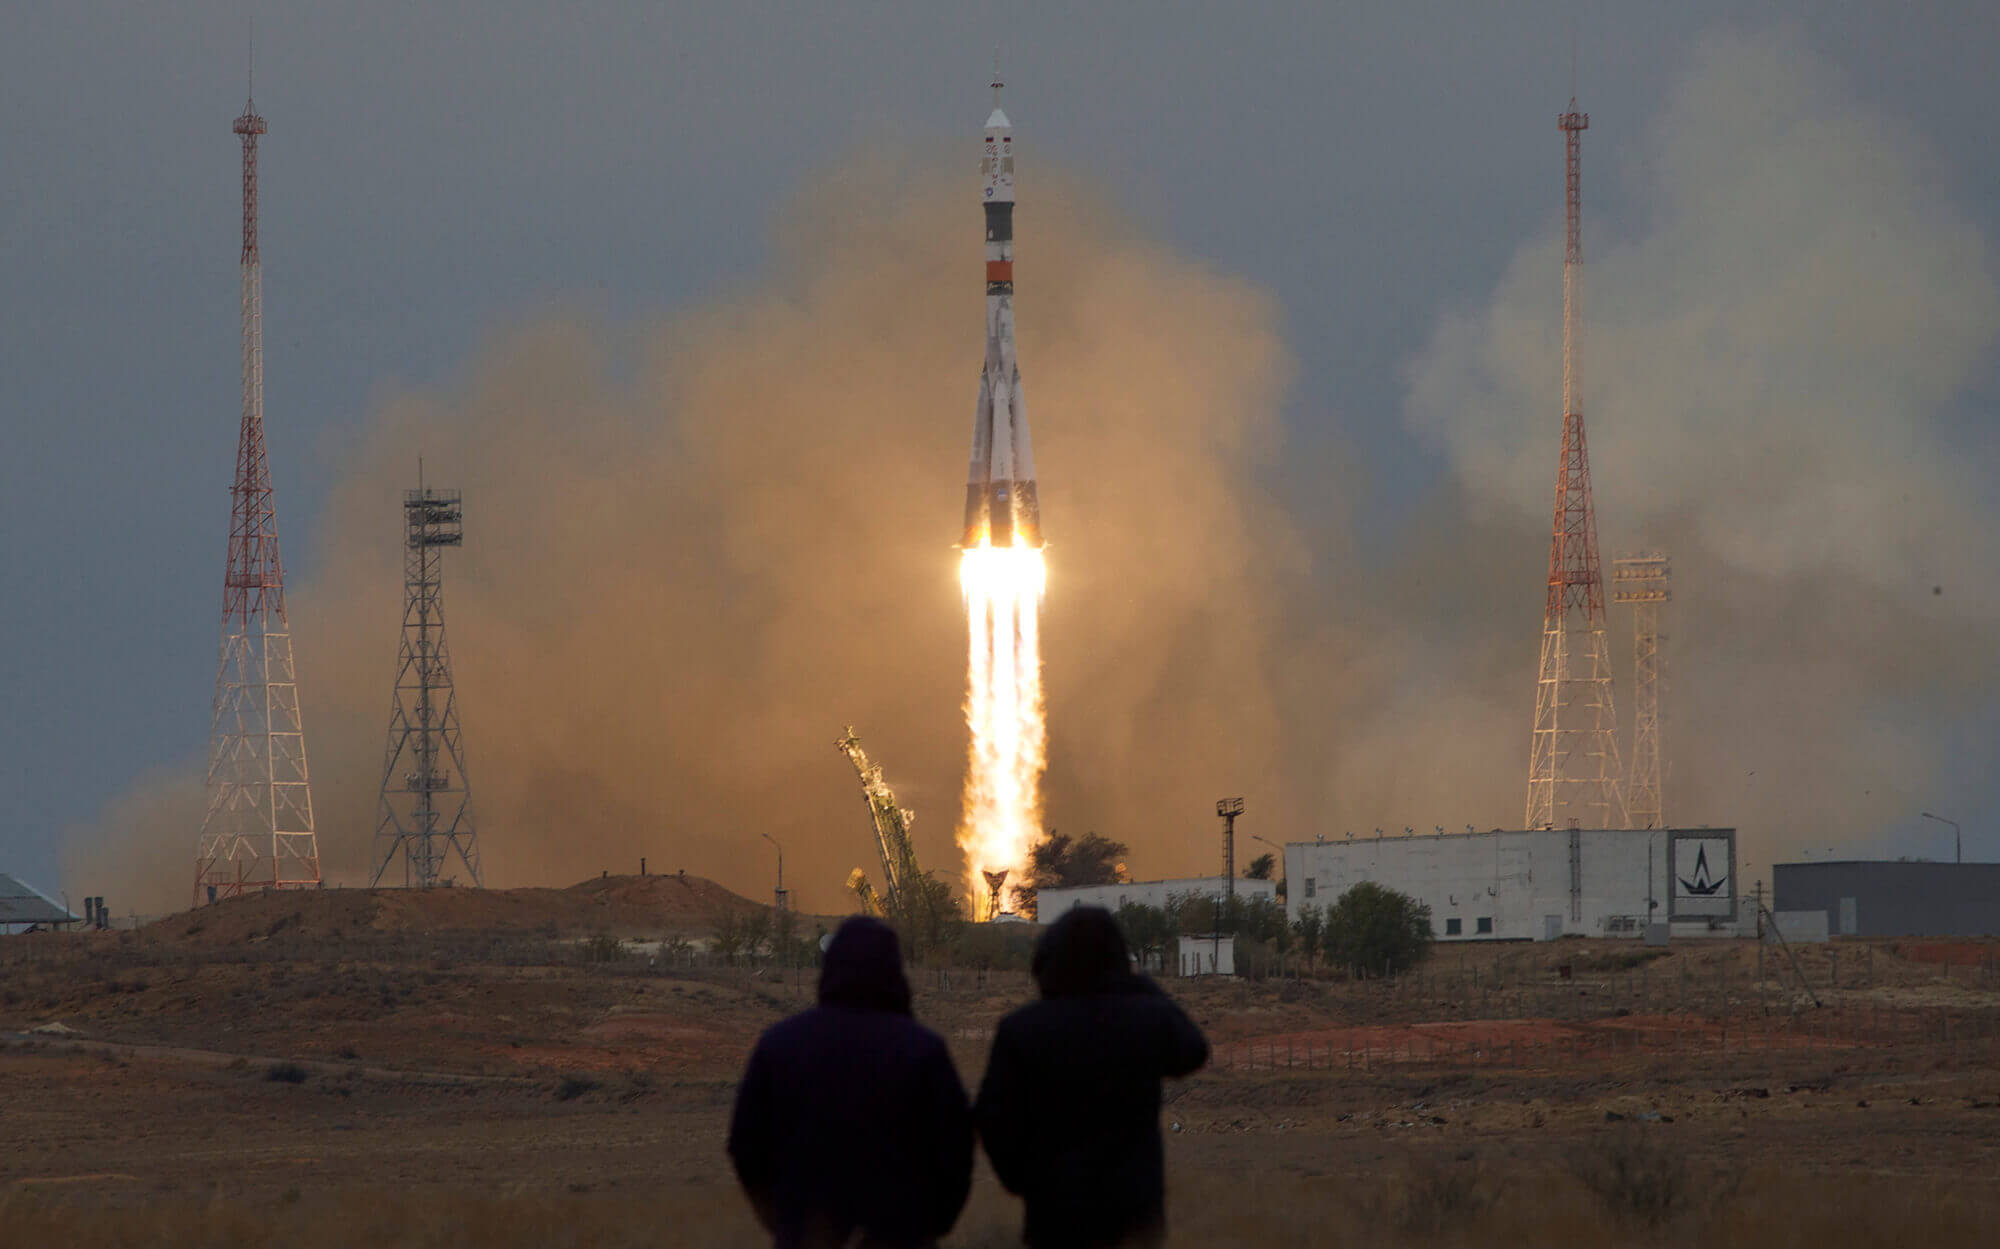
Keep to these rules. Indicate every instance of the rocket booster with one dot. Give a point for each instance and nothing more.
(1000, 504)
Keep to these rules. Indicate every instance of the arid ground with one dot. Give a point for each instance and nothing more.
(460, 1068)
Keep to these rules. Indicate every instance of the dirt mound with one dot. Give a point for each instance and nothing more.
(619, 906)
(1984, 954)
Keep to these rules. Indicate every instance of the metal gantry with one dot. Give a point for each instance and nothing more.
(1573, 770)
(1645, 582)
(258, 830)
(426, 809)
(904, 893)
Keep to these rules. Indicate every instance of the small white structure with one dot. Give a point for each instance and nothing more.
(1538, 884)
(1208, 955)
(1051, 903)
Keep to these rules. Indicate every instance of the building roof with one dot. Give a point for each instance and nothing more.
(1352, 839)
(21, 904)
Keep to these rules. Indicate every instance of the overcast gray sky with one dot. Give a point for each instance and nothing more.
(437, 173)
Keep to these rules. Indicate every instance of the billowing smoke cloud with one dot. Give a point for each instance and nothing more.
(1777, 336)
(694, 555)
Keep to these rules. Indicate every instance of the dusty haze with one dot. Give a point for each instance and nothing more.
(695, 553)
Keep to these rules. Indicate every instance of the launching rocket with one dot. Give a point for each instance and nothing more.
(1000, 505)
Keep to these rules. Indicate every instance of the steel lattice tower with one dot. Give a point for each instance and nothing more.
(426, 808)
(1573, 769)
(1644, 581)
(258, 833)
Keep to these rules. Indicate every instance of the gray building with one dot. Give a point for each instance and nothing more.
(1893, 899)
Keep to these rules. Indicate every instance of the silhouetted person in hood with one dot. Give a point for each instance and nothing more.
(1070, 1107)
(851, 1125)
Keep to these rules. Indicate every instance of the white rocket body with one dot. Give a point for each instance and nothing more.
(1000, 503)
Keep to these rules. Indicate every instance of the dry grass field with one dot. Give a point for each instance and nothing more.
(329, 1071)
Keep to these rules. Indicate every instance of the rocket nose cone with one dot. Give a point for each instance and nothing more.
(998, 121)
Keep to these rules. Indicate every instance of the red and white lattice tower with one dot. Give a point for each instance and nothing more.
(258, 833)
(1645, 583)
(1574, 777)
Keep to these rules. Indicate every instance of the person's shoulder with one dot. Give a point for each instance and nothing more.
(1027, 1014)
(795, 1029)
(817, 1021)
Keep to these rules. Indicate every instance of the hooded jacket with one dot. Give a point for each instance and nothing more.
(1070, 1107)
(851, 1117)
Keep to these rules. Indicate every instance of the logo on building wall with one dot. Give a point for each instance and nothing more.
(1701, 864)
(1703, 884)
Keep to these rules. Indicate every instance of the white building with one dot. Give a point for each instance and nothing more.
(1051, 903)
(1535, 885)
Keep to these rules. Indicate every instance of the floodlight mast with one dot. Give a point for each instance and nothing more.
(1228, 809)
(425, 813)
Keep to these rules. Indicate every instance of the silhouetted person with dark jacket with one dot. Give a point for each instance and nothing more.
(851, 1126)
(1070, 1107)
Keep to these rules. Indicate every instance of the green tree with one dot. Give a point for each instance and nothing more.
(728, 936)
(1262, 919)
(785, 935)
(929, 920)
(1147, 929)
(1261, 867)
(756, 930)
(1309, 928)
(1377, 930)
(1059, 862)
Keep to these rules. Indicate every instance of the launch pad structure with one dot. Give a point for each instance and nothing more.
(425, 812)
(258, 832)
(906, 897)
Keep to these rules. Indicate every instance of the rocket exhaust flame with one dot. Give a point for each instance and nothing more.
(1003, 710)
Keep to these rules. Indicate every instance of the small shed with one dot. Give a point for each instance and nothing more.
(24, 907)
(1208, 955)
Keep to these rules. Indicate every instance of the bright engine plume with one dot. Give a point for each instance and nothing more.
(1003, 711)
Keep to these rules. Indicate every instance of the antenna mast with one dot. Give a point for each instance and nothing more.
(258, 832)
(1573, 769)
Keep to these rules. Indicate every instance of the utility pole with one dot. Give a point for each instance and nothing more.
(778, 895)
